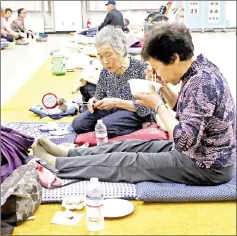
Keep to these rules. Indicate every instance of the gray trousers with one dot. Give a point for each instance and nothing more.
(134, 161)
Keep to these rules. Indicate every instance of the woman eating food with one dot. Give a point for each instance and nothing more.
(203, 149)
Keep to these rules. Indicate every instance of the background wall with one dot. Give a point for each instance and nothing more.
(231, 12)
(135, 11)
(35, 16)
(40, 15)
(136, 15)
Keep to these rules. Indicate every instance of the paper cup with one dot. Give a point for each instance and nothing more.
(143, 86)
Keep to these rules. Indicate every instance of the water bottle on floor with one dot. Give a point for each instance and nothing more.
(94, 206)
(101, 133)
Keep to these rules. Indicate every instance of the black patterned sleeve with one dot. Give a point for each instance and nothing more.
(101, 86)
(142, 111)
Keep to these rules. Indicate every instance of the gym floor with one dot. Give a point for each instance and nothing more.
(19, 63)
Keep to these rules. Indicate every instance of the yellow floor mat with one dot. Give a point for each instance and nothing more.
(42, 82)
(148, 219)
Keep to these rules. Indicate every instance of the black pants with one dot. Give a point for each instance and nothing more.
(9, 38)
(89, 31)
(137, 161)
(118, 122)
(28, 35)
(88, 91)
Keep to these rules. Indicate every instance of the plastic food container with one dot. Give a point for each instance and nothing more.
(58, 64)
(73, 202)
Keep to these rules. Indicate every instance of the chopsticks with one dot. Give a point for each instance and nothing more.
(154, 79)
(83, 103)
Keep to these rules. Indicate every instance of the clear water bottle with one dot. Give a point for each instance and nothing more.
(101, 133)
(94, 206)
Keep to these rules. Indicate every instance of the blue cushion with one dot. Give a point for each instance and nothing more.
(163, 192)
(33, 129)
(39, 111)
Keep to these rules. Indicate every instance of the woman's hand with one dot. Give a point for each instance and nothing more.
(106, 103)
(91, 104)
(152, 75)
(148, 99)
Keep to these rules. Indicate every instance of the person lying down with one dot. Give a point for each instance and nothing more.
(203, 149)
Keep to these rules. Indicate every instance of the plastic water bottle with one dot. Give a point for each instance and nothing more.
(94, 206)
(101, 133)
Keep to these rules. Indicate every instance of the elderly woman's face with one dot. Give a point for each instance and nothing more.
(109, 58)
(169, 73)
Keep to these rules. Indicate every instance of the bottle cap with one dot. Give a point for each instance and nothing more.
(100, 121)
(94, 180)
(40, 168)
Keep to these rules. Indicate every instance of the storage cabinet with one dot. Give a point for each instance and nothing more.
(67, 15)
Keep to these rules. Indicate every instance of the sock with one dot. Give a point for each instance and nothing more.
(52, 148)
(41, 153)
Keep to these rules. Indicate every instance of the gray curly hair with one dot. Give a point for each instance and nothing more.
(113, 36)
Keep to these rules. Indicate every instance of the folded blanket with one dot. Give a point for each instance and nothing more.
(135, 51)
(39, 110)
(78, 61)
(78, 38)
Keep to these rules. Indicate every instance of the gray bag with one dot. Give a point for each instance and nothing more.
(21, 194)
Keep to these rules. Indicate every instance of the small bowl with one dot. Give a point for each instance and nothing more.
(143, 86)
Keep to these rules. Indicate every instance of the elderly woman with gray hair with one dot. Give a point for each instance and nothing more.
(113, 100)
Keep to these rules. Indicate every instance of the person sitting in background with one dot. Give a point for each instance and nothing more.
(8, 15)
(113, 100)
(18, 25)
(7, 33)
(203, 149)
(114, 17)
(126, 24)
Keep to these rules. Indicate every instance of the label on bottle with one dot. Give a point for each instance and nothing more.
(101, 134)
(94, 214)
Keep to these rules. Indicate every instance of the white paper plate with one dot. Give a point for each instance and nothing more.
(115, 208)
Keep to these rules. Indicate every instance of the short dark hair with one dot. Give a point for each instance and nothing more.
(127, 22)
(20, 10)
(8, 9)
(166, 40)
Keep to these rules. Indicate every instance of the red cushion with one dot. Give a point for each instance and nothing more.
(148, 133)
